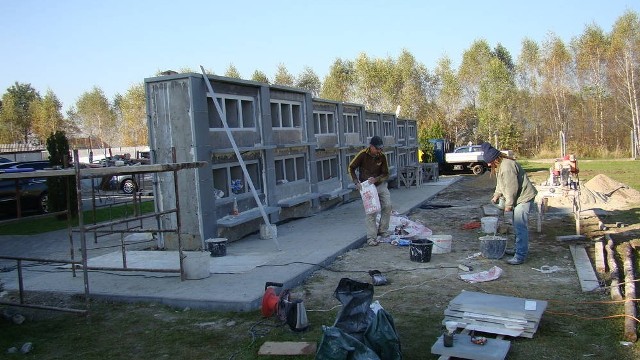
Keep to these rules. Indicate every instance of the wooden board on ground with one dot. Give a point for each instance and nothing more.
(586, 275)
(287, 348)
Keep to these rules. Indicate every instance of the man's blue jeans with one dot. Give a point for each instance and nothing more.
(521, 228)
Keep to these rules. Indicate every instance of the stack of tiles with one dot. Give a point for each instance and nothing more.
(495, 314)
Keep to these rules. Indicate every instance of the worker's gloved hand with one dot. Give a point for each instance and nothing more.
(372, 180)
(495, 199)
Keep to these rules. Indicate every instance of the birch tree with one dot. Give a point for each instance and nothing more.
(528, 81)
(134, 116)
(624, 60)
(556, 74)
(590, 51)
(95, 116)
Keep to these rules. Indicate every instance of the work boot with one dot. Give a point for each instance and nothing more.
(384, 237)
(373, 242)
(515, 261)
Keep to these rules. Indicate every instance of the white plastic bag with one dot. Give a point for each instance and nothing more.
(370, 198)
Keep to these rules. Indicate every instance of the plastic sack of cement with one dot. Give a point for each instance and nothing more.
(369, 326)
(370, 198)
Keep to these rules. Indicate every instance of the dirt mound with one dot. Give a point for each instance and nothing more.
(603, 189)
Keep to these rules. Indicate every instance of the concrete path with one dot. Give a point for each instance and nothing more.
(305, 245)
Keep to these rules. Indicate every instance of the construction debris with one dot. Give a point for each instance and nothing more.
(495, 314)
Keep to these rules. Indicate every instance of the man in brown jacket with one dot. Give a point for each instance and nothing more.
(371, 164)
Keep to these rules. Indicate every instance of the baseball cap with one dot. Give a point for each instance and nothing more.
(377, 142)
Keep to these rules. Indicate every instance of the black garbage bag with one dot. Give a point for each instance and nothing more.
(381, 336)
(337, 345)
(359, 332)
(355, 297)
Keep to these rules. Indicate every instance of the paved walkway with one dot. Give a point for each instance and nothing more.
(237, 280)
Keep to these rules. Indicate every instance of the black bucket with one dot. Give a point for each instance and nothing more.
(217, 246)
(420, 250)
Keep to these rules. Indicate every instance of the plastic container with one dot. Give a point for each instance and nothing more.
(489, 224)
(196, 265)
(493, 247)
(217, 246)
(420, 250)
(441, 243)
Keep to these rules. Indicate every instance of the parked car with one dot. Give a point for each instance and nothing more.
(468, 149)
(124, 182)
(34, 192)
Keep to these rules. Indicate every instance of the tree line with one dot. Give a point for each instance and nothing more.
(586, 89)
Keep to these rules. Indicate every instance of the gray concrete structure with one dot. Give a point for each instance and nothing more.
(296, 149)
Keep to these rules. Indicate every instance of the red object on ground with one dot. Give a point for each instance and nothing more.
(269, 302)
(471, 225)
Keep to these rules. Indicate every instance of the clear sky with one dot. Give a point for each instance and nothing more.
(70, 46)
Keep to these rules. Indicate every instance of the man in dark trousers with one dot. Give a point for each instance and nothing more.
(371, 164)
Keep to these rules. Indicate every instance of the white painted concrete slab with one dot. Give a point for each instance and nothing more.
(494, 349)
(586, 275)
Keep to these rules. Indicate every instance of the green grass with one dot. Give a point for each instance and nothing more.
(31, 226)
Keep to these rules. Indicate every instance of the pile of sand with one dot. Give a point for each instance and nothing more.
(618, 195)
(599, 192)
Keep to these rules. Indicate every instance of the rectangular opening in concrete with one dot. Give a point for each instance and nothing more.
(400, 132)
(238, 111)
(290, 168)
(387, 128)
(411, 131)
(286, 114)
(351, 122)
(323, 122)
(327, 168)
(224, 174)
(371, 128)
(391, 158)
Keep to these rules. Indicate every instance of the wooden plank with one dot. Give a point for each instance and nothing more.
(287, 348)
(586, 275)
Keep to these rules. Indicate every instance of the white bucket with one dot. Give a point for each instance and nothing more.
(441, 243)
(489, 224)
(196, 265)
